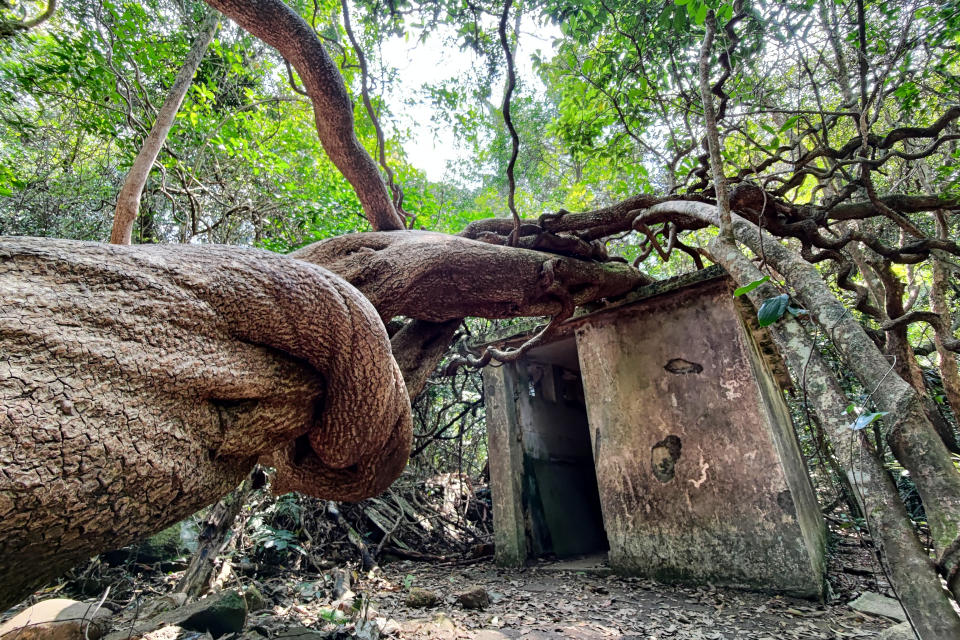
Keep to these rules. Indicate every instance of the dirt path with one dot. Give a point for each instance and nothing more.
(540, 604)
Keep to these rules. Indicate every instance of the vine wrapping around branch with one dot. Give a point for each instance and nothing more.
(514, 138)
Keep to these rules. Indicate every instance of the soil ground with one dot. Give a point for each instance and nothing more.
(543, 603)
(573, 599)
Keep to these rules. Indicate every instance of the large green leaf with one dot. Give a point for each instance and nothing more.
(772, 309)
(747, 288)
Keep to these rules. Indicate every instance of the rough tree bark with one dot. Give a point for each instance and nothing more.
(141, 383)
(128, 200)
(904, 359)
(911, 572)
(147, 380)
(418, 347)
(949, 361)
(438, 277)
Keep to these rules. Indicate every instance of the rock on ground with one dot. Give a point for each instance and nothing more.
(255, 599)
(878, 605)
(225, 612)
(167, 602)
(422, 598)
(173, 632)
(901, 631)
(57, 619)
(474, 598)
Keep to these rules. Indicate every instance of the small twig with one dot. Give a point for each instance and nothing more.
(86, 630)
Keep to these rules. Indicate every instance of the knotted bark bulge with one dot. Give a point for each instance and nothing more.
(139, 384)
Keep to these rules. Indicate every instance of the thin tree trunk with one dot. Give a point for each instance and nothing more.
(905, 360)
(712, 133)
(366, 560)
(911, 572)
(279, 26)
(949, 360)
(836, 467)
(128, 200)
(910, 435)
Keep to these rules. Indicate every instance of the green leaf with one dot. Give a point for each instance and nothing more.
(747, 288)
(863, 421)
(772, 309)
(701, 13)
(792, 120)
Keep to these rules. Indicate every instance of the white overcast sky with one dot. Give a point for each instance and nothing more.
(433, 62)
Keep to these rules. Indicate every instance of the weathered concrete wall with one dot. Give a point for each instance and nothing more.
(506, 465)
(699, 471)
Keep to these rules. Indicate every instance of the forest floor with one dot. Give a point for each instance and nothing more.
(539, 603)
(572, 599)
(546, 601)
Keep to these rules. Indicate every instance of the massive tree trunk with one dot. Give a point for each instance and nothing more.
(141, 383)
(128, 200)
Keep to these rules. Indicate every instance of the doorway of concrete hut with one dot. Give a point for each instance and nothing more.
(561, 514)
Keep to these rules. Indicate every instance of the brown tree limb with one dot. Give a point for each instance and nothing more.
(280, 27)
(371, 112)
(9, 28)
(157, 375)
(934, 319)
(438, 277)
(418, 347)
(366, 560)
(508, 120)
(712, 133)
(217, 524)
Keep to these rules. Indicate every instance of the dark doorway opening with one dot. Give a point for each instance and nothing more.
(560, 492)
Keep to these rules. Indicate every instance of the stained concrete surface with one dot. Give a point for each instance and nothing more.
(699, 472)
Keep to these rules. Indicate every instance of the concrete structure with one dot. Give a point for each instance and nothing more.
(660, 433)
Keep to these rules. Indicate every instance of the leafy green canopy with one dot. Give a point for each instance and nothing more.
(618, 113)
